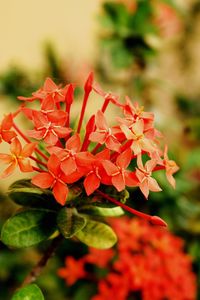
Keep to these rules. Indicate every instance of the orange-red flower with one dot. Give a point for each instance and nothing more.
(139, 141)
(49, 127)
(53, 179)
(18, 157)
(120, 177)
(104, 134)
(72, 271)
(95, 174)
(143, 173)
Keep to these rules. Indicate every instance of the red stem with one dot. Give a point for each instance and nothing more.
(96, 148)
(105, 105)
(58, 105)
(86, 96)
(153, 219)
(37, 169)
(38, 161)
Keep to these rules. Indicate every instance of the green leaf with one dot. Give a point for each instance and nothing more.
(98, 235)
(29, 292)
(23, 192)
(102, 211)
(28, 228)
(70, 222)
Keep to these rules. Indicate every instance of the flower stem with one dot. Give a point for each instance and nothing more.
(36, 271)
(153, 219)
(38, 161)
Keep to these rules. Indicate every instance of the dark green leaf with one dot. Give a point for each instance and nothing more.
(29, 292)
(70, 222)
(28, 228)
(23, 192)
(98, 235)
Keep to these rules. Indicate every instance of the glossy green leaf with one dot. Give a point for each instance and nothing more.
(28, 228)
(102, 211)
(98, 235)
(70, 222)
(29, 292)
(23, 192)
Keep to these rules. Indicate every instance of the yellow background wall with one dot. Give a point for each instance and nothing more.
(26, 24)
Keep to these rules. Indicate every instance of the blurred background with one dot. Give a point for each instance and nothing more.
(149, 50)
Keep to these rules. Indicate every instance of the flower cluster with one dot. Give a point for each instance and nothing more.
(148, 262)
(96, 156)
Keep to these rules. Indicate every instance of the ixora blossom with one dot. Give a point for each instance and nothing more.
(147, 263)
(95, 157)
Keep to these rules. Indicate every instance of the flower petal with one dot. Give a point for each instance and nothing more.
(8, 171)
(74, 143)
(60, 192)
(49, 85)
(118, 182)
(15, 147)
(100, 121)
(25, 165)
(53, 164)
(109, 167)
(28, 149)
(91, 183)
(44, 180)
(112, 143)
(68, 166)
(123, 160)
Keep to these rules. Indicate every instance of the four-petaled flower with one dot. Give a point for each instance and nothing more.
(95, 173)
(49, 127)
(120, 177)
(50, 92)
(104, 134)
(136, 134)
(18, 157)
(143, 173)
(53, 179)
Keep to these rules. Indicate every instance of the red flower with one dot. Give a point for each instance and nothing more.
(143, 173)
(136, 134)
(120, 177)
(103, 133)
(53, 179)
(72, 271)
(103, 257)
(95, 174)
(49, 127)
(50, 92)
(18, 157)
(71, 159)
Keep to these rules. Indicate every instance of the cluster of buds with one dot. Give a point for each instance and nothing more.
(96, 156)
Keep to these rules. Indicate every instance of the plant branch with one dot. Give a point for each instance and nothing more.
(36, 271)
